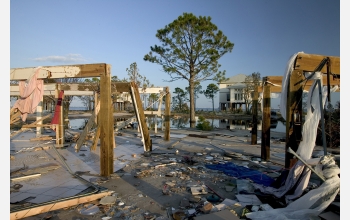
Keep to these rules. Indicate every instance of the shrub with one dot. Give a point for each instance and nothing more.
(203, 124)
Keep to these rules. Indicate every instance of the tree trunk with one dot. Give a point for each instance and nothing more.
(213, 103)
(192, 110)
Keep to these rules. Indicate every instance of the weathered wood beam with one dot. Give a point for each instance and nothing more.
(141, 117)
(254, 137)
(293, 116)
(277, 81)
(36, 123)
(167, 115)
(57, 205)
(82, 89)
(87, 128)
(106, 123)
(57, 72)
(308, 63)
(266, 123)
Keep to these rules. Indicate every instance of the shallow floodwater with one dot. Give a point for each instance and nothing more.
(181, 123)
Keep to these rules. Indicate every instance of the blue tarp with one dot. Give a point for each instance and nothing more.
(241, 172)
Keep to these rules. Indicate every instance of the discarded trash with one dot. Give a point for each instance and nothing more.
(206, 207)
(179, 215)
(213, 198)
(209, 158)
(197, 190)
(248, 199)
(224, 214)
(88, 209)
(244, 186)
(108, 200)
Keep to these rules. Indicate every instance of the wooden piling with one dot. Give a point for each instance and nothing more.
(106, 122)
(293, 115)
(167, 115)
(266, 122)
(255, 116)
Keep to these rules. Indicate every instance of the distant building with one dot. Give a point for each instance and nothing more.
(231, 93)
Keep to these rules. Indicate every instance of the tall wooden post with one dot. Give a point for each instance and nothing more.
(293, 115)
(255, 116)
(266, 122)
(106, 122)
(57, 128)
(167, 115)
(61, 122)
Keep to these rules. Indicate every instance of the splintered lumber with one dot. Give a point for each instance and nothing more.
(35, 124)
(96, 137)
(57, 205)
(14, 116)
(25, 177)
(86, 129)
(42, 138)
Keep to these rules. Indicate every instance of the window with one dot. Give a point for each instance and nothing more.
(228, 97)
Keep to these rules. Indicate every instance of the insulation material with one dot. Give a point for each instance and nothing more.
(313, 202)
(285, 84)
(31, 92)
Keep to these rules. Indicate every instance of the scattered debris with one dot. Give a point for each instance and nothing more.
(88, 209)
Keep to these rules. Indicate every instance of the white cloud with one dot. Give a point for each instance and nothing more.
(69, 58)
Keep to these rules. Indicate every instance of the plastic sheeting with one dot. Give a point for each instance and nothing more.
(31, 92)
(299, 175)
(241, 172)
(313, 202)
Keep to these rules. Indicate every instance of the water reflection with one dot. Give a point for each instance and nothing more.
(243, 124)
(184, 122)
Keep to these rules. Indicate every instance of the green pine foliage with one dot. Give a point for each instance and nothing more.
(203, 124)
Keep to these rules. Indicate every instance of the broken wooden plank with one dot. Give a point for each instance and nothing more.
(14, 116)
(57, 205)
(35, 124)
(64, 71)
(86, 129)
(25, 177)
(96, 137)
(42, 138)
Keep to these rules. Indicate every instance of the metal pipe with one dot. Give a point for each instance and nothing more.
(297, 156)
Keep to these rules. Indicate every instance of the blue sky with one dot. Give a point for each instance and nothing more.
(265, 33)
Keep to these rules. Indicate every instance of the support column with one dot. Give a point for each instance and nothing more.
(167, 115)
(293, 115)
(57, 128)
(255, 116)
(106, 122)
(61, 122)
(266, 122)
